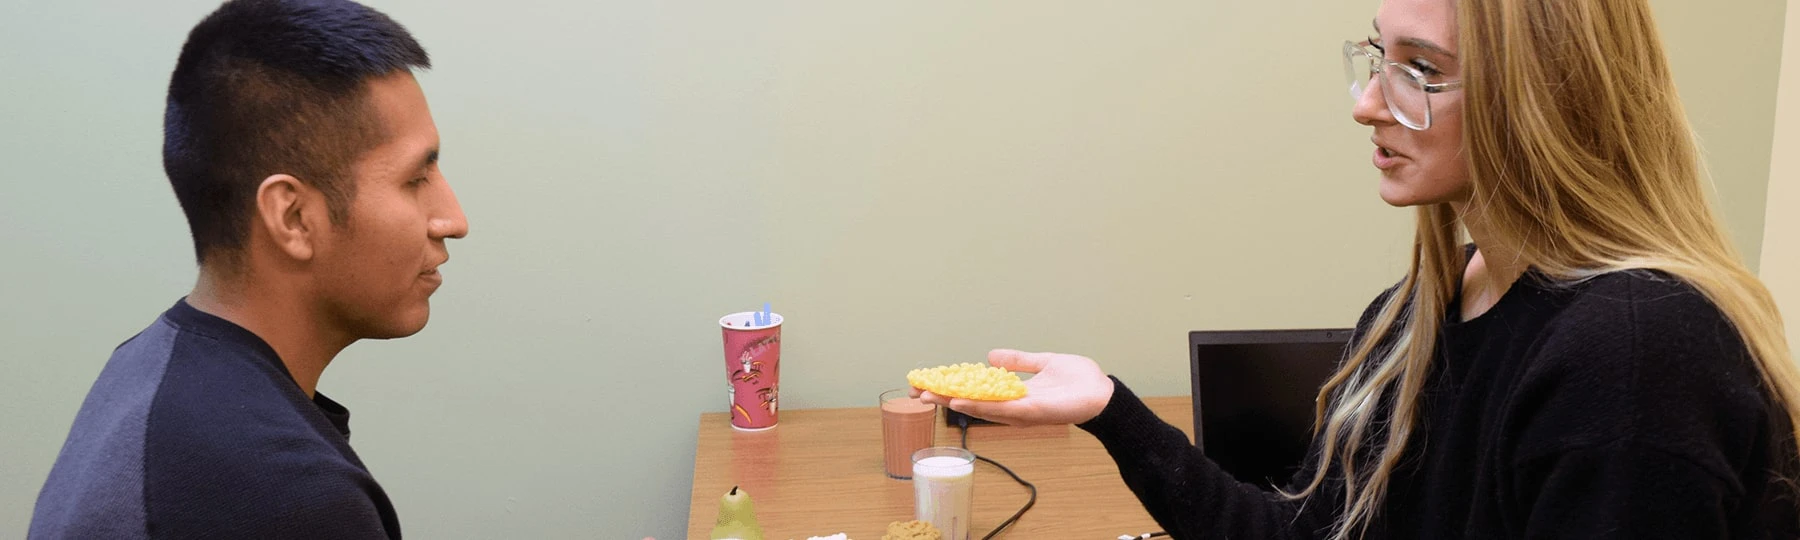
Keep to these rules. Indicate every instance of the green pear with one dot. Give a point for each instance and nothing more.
(737, 519)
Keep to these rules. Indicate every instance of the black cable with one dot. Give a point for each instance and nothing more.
(964, 425)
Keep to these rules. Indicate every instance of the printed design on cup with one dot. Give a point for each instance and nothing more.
(768, 399)
(751, 372)
(731, 397)
(756, 348)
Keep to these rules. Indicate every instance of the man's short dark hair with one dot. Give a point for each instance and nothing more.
(268, 87)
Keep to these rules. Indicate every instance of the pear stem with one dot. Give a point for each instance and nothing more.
(734, 490)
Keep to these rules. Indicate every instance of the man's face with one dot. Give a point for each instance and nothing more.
(376, 273)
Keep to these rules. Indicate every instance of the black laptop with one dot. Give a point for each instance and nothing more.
(1254, 394)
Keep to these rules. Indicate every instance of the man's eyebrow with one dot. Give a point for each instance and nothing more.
(431, 158)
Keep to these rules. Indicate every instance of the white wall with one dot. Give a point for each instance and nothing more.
(910, 183)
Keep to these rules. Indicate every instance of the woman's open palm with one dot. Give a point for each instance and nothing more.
(1066, 389)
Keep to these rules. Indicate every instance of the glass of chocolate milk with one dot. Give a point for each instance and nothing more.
(907, 425)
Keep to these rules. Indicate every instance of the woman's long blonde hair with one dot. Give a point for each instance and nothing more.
(1581, 159)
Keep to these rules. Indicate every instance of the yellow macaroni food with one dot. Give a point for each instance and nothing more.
(911, 530)
(969, 381)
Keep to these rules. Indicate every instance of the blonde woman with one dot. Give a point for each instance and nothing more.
(1594, 363)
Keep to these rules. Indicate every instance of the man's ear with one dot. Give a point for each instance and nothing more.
(291, 213)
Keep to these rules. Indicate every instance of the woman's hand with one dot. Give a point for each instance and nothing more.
(1067, 389)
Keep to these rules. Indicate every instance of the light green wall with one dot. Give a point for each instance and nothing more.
(911, 183)
(1711, 43)
(1781, 236)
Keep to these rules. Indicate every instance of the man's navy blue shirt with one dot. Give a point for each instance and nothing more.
(195, 429)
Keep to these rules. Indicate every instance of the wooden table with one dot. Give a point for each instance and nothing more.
(819, 473)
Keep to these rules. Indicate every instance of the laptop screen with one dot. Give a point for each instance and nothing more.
(1254, 394)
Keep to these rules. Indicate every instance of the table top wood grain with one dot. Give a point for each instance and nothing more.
(819, 473)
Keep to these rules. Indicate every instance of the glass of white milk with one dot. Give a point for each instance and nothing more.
(944, 489)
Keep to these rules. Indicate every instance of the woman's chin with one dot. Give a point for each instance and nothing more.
(1397, 194)
(1400, 194)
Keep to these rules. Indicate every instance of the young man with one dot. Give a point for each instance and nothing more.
(305, 158)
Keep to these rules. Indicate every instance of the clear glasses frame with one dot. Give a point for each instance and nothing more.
(1409, 98)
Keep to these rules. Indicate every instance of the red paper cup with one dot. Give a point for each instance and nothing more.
(752, 369)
